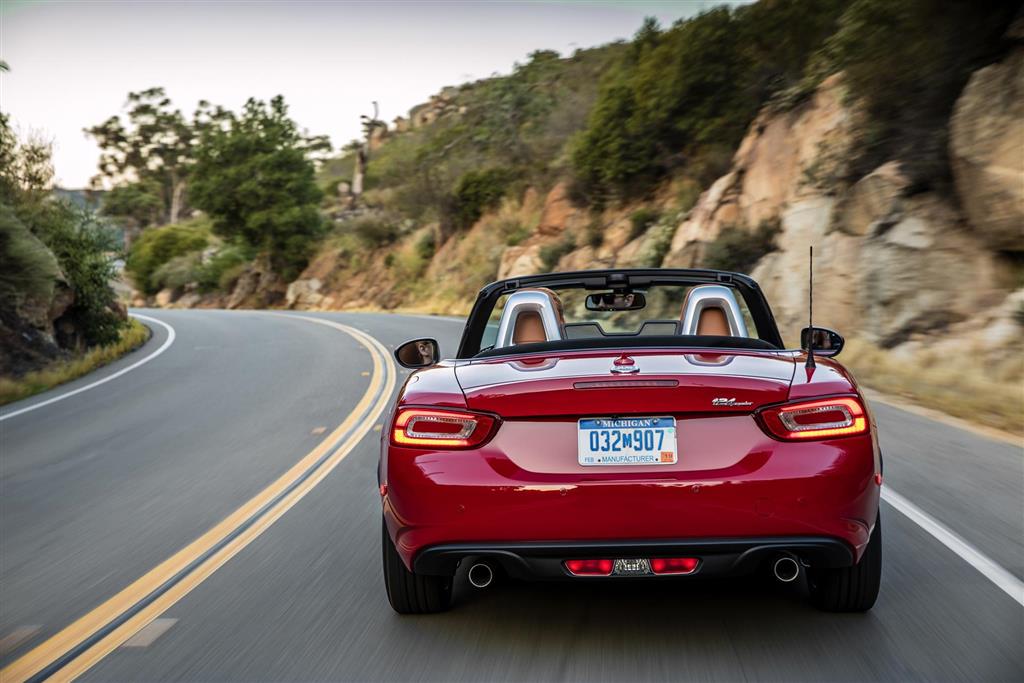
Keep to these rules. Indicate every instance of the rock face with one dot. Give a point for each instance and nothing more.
(987, 152)
(887, 267)
(304, 293)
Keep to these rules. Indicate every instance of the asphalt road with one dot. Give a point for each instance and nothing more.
(100, 488)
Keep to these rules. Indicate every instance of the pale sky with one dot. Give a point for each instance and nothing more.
(74, 61)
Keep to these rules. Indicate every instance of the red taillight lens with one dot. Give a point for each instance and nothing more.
(819, 419)
(674, 565)
(431, 428)
(590, 567)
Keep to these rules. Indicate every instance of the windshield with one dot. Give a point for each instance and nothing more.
(576, 313)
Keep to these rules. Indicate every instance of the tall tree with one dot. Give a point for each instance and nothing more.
(151, 151)
(255, 178)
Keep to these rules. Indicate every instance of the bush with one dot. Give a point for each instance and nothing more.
(179, 271)
(477, 191)
(85, 249)
(157, 246)
(29, 269)
(641, 219)
(224, 268)
(593, 234)
(426, 245)
(738, 249)
(551, 254)
(374, 231)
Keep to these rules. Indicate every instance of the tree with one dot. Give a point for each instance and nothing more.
(151, 152)
(253, 176)
(61, 243)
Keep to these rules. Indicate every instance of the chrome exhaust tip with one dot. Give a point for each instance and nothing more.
(786, 569)
(480, 575)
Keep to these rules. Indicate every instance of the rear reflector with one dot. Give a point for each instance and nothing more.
(449, 429)
(590, 567)
(819, 419)
(674, 565)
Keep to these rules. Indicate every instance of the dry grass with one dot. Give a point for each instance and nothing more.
(970, 385)
(32, 383)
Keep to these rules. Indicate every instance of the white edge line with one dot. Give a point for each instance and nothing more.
(163, 347)
(1006, 581)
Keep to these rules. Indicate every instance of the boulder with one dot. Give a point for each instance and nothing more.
(557, 211)
(520, 260)
(164, 298)
(304, 293)
(875, 197)
(987, 152)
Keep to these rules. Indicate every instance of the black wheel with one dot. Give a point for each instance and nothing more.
(409, 592)
(850, 589)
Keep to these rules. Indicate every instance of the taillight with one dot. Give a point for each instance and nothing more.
(432, 428)
(590, 567)
(825, 418)
(674, 565)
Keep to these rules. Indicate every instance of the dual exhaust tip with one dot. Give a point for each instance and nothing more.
(785, 568)
(480, 575)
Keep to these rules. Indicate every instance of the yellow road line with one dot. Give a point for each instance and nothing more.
(59, 644)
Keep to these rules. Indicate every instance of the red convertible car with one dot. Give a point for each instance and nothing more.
(602, 425)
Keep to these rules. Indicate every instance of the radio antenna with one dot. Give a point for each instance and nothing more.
(810, 309)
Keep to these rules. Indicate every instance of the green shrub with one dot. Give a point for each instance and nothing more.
(426, 245)
(179, 271)
(157, 246)
(29, 268)
(86, 249)
(641, 219)
(374, 231)
(657, 245)
(514, 232)
(593, 234)
(738, 249)
(476, 192)
(223, 269)
(551, 254)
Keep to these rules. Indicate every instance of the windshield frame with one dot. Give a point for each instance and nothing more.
(603, 280)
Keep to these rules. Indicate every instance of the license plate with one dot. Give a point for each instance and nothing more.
(627, 441)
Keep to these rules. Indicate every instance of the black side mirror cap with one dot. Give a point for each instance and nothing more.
(822, 341)
(418, 353)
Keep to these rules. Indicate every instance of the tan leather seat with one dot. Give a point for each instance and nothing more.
(712, 310)
(712, 321)
(529, 328)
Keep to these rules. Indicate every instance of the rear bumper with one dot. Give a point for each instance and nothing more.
(822, 493)
(718, 557)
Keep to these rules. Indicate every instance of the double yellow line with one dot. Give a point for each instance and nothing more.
(78, 647)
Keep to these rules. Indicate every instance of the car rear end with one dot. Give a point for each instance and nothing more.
(632, 463)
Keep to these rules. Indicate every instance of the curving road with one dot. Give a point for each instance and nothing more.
(212, 514)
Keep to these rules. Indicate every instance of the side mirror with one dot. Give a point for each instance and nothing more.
(822, 341)
(418, 353)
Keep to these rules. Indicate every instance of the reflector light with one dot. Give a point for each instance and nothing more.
(590, 567)
(819, 419)
(431, 428)
(674, 565)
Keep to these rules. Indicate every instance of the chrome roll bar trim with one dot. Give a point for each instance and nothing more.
(520, 302)
(717, 296)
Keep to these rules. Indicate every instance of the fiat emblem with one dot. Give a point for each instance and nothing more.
(624, 365)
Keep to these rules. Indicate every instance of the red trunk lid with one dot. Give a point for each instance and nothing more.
(656, 382)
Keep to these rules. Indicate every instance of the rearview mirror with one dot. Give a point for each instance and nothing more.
(822, 341)
(418, 353)
(616, 301)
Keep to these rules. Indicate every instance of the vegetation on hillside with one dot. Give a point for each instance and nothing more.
(49, 243)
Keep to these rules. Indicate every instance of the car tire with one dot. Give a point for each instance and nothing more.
(409, 592)
(850, 589)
